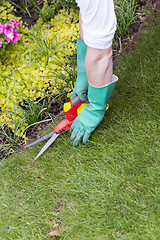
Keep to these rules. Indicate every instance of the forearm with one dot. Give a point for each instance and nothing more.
(99, 66)
(80, 26)
(98, 63)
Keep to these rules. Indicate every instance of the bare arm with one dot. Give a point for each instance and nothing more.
(99, 66)
(80, 26)
(98, 63)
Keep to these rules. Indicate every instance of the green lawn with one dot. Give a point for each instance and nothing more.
(108, 189)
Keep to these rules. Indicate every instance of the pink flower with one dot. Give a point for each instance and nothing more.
(1, 28)
(9, 37)
(8, 28)
(16, 36)
(16, 23)
(9, 34)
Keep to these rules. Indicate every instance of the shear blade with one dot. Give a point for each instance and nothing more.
(50, 141)
(40, 139)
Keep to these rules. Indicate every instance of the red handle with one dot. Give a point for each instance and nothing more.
(71, 114)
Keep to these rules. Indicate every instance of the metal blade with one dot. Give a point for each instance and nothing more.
(50, 141)
(40, 140)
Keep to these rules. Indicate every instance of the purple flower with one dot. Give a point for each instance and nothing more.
(1, 28)
(16, 36)
(16, 23)
(0, 44)
(8, 28)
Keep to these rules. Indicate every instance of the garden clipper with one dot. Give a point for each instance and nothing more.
(72, 109)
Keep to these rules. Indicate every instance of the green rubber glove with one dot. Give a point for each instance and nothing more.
(91, 115)
(81, 86)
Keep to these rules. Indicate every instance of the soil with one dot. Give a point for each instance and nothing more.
(57, 108)
(27, 20)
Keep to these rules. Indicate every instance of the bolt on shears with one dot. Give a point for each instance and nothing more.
(72, 109)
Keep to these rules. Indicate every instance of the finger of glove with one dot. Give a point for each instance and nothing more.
(84, 97)
(81, 94)
(78, 138)
(74, 94)
(74, 125)
(74, 133)
(86, 137)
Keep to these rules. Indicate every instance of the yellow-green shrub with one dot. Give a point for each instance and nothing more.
(25, 71)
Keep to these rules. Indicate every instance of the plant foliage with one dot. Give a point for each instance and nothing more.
(28, 69)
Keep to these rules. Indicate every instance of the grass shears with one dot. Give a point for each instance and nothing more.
(71, 109)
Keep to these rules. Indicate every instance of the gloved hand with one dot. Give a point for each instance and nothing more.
(81, 86)
(91, 115)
